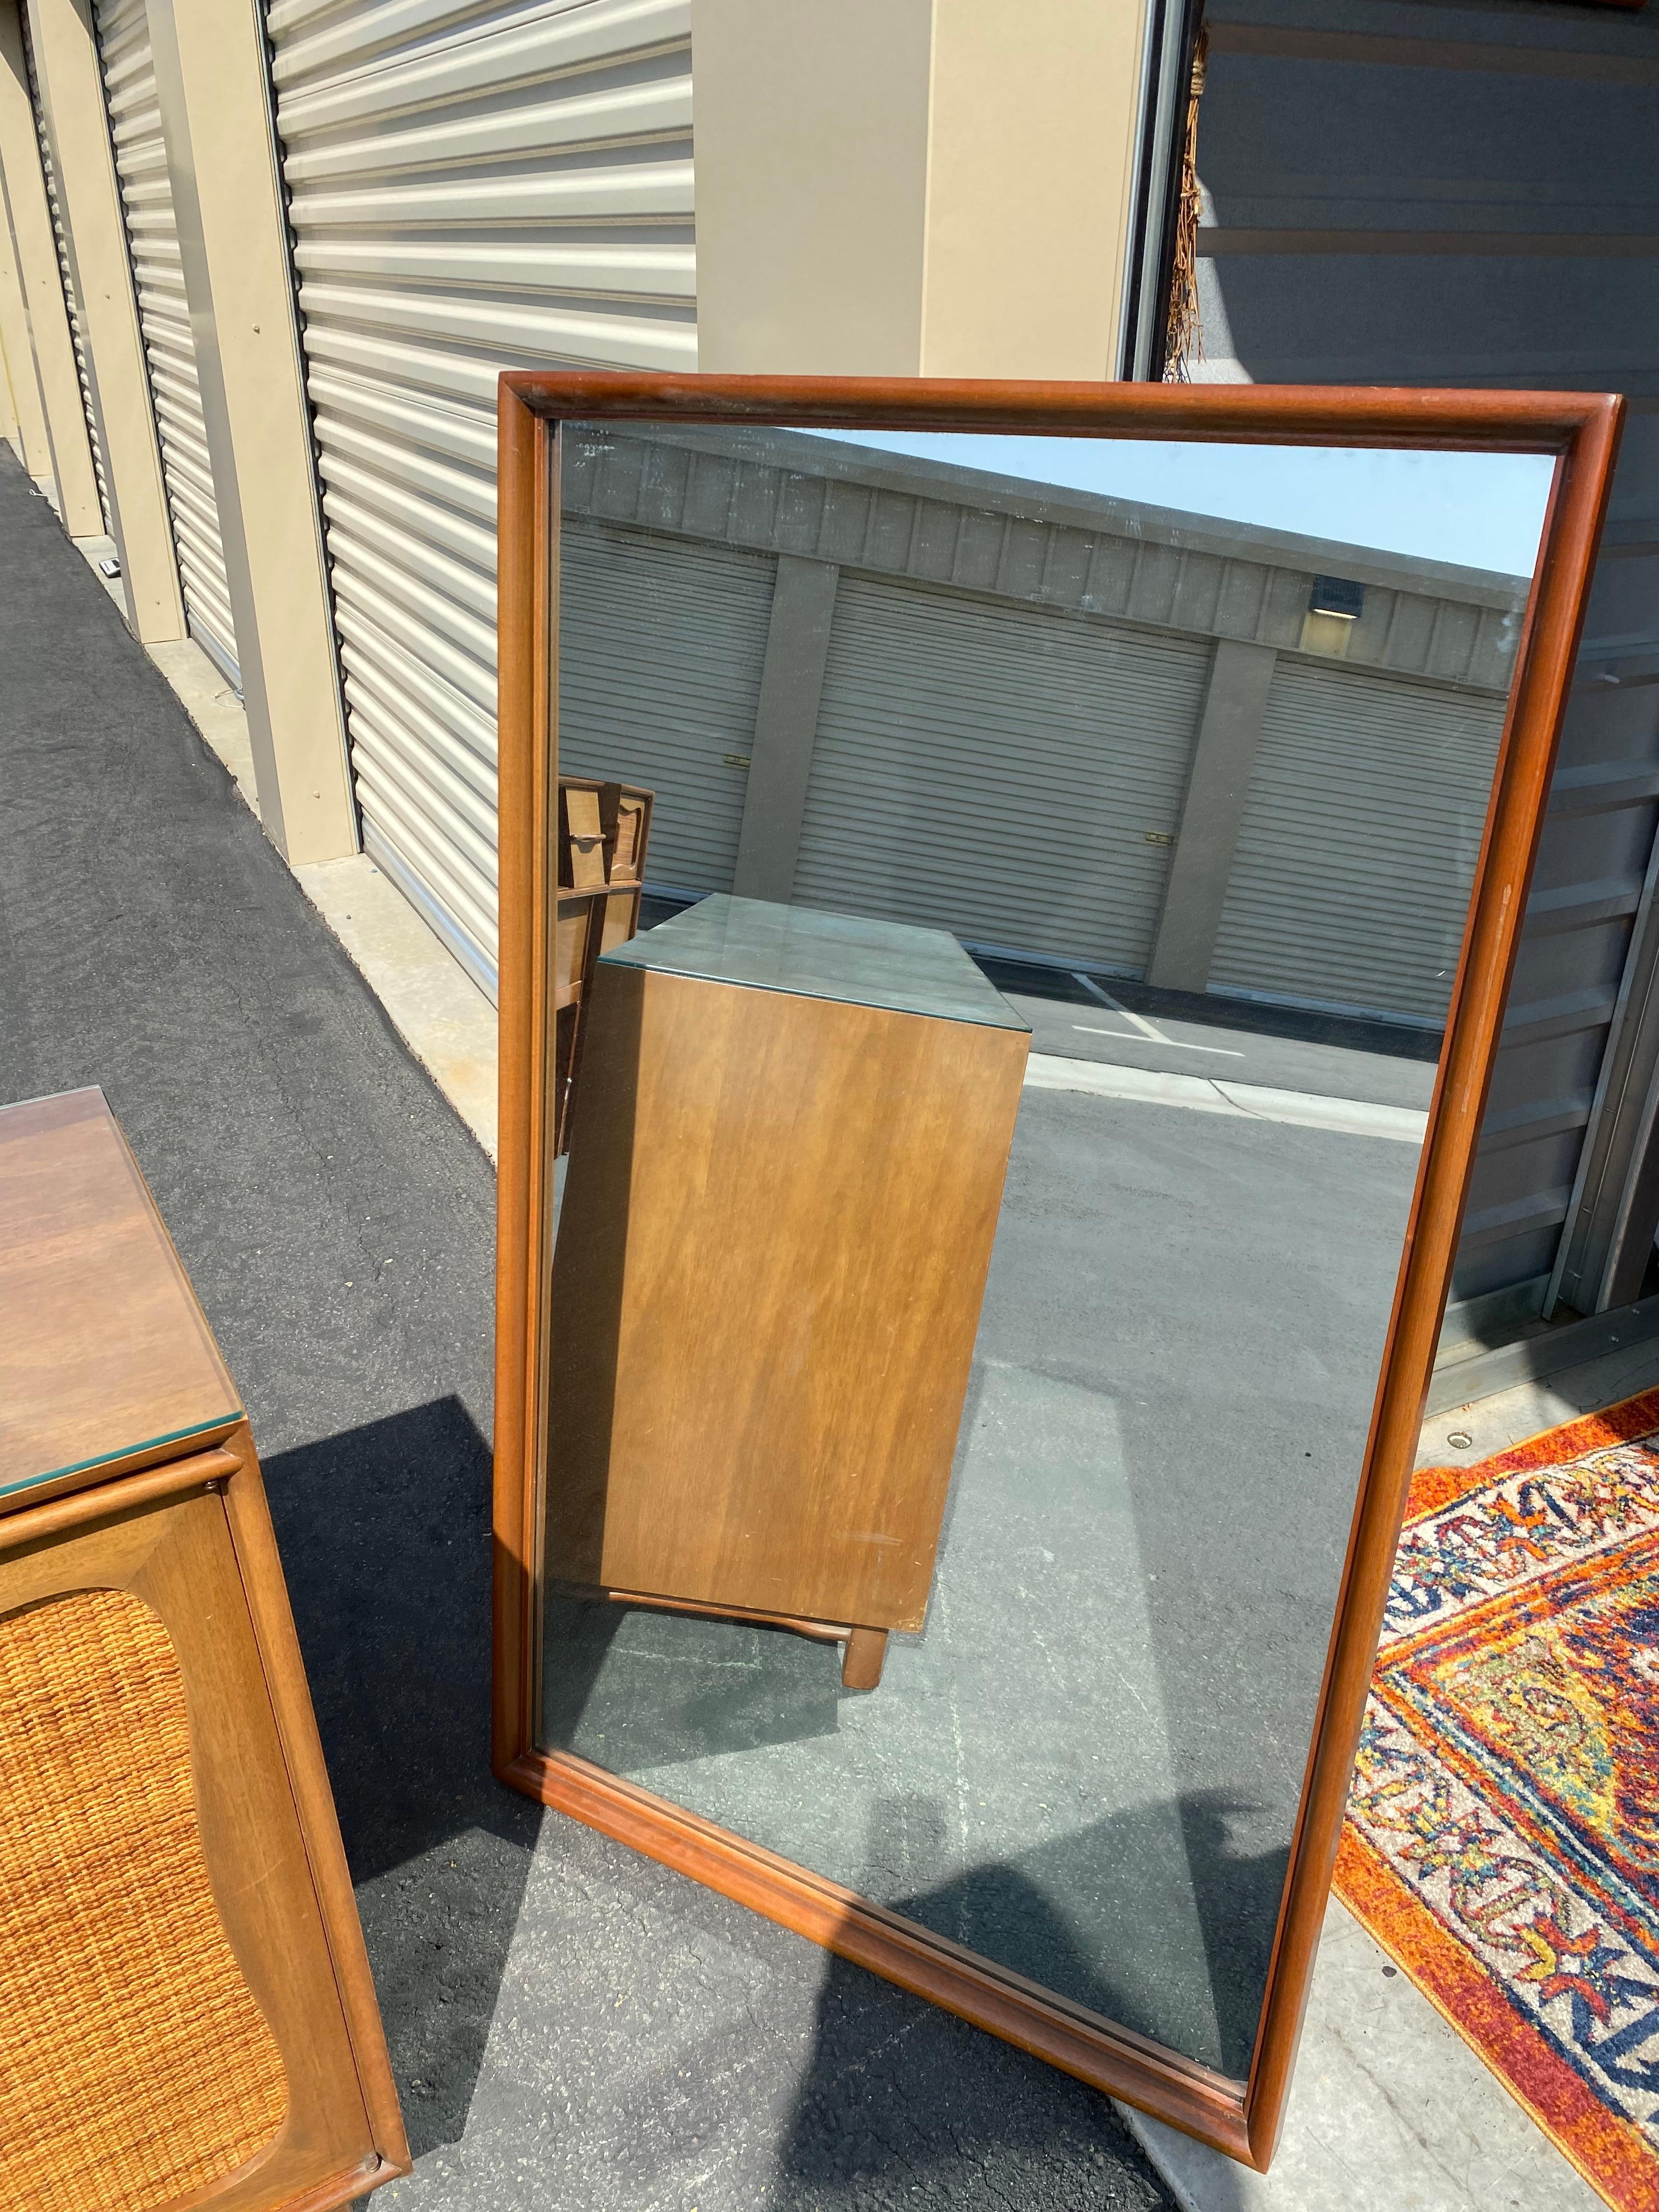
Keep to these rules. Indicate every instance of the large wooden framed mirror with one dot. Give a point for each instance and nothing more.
(1007, 895)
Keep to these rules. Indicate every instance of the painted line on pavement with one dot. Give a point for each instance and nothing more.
(1200, 1094)
(1157, 1037)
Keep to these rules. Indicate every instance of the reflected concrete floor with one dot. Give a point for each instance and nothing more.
(1132, 1024)
(1086, 1766)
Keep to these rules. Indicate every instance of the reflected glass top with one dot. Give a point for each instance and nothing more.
(846, 957)
(105, 1354)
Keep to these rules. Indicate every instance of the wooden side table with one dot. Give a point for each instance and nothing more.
(783, 1188)
(186, 2013)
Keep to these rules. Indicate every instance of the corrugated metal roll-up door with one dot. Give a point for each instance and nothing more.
(1012, 776)
(471, 190)
(1527, 273)
(60, 239)
(158, 277)
(1351, 881)
(661, 649)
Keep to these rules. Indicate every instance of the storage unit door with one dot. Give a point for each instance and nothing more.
(1506, 138)
(158, 277)
(470, 190)
(60, 239)
(1014, 777)
(1350, 884)
(662, 645)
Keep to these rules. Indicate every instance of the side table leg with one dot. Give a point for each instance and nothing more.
(864, 1658)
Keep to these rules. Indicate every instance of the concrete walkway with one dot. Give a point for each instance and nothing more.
(571, 2026)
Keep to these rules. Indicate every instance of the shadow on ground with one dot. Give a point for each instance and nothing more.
(387, 1551)
(902, 2105)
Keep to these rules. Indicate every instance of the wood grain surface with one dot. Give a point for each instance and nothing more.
(770, 1263)
(104, 1351)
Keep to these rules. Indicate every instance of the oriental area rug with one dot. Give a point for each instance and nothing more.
(1502, 1833)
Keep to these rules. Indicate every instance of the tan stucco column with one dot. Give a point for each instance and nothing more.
(22, 378)
(66, 58)
(46, 351)
(913, 187)
(9, 429)
(209, 75)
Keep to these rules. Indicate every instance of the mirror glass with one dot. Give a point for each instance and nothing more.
(1011, 889)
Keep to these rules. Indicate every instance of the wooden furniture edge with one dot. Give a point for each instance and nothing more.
(93, 1474)
(258, 1561)
(91, 1105)
(1252, 414)
(342, 2188)
(220, 1458)
(1097, 2051)
(525, 783)
(1514, 825)
(200, 1471)
(817, 1631)
(1241, 2119)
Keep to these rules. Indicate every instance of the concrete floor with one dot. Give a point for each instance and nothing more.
(1390, 2113)
(570, 2026)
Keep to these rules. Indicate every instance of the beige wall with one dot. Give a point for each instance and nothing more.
(1030, 168)
(934, 187)
(63, 422)
(210, 74)
(810, 138)
(66, 56)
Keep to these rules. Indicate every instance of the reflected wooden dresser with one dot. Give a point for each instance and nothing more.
(604, 833)
(783, 1186)
(186, 2015)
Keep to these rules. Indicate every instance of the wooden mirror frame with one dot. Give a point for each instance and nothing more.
(1580, 431)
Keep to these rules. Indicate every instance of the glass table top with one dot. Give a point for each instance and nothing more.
(811, 954)
(105, 1355)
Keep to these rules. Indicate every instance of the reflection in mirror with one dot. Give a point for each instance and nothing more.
(1011, 890)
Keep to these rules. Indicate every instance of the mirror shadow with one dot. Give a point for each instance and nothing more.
(1193, 805)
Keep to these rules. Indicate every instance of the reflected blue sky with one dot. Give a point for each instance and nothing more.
(1479, 510)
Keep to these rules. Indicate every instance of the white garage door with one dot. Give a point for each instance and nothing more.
(661, 645)
(158, 278)
(1012, 777)
(1351, 883)
(60, 239)
(472, 189)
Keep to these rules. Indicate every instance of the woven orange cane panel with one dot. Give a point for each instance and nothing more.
(134, 2065)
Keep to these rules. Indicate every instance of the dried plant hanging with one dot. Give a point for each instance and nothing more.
(1184, 340)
